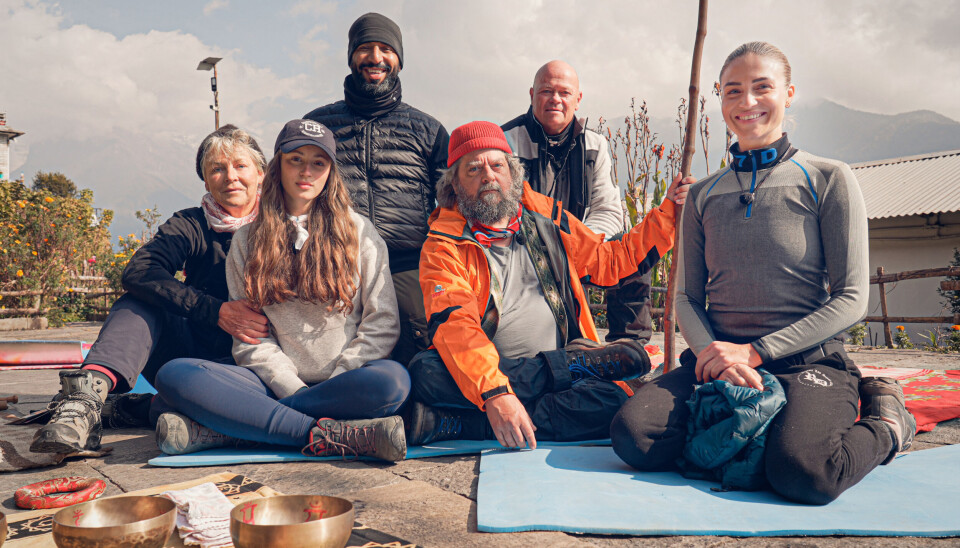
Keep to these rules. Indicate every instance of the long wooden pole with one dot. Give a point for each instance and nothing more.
(689, 149)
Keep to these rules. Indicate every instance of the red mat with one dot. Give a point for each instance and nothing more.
(932, 396)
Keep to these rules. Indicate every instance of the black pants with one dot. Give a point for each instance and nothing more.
(815, 449)
(139, 338)
(413, 317)
(560, 409)
(628, 309)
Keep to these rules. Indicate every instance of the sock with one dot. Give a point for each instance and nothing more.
(102, 373)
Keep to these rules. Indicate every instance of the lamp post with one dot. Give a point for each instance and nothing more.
(207, 64)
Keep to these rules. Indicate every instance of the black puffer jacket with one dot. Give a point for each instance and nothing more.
(391, 165)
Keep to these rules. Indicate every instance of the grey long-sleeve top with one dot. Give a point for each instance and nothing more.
(785, 273)
(308, 344)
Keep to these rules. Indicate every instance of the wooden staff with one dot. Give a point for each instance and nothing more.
(689, 149)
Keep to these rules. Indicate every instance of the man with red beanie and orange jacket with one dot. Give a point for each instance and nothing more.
(514, 345)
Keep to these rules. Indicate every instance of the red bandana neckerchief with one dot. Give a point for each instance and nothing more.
(486, 235)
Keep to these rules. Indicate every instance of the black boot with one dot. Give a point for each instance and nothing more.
(617, 361)
(75, 424)
(432, 424)
(881, 398)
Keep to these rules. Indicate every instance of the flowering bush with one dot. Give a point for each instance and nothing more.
(857, 333)
(45, 239)
(901, 338)
(953, 339)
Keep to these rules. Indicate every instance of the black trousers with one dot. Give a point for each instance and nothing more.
(629, 309)
(815, 449)
(413, 317)
(560, 409)
(138, 338)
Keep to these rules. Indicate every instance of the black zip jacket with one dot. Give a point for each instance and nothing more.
(183, 242)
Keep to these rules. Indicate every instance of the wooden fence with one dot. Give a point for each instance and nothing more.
(880, 279)
(91, 287)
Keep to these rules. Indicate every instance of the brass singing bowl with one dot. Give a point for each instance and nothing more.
(128, 522)
(3, 528)
(292, 521)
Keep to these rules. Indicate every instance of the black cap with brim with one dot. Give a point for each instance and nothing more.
(298, 133)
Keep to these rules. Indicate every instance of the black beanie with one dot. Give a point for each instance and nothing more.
(373, 27)
(224, 130)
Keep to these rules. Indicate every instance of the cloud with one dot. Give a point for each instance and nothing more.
(214, 5)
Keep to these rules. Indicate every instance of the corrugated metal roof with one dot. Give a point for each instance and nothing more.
(912, 185)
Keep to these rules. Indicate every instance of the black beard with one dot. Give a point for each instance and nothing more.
(483, 209)
(374, 89)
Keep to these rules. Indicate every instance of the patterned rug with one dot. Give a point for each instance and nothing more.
(34, 529)
(932, 396)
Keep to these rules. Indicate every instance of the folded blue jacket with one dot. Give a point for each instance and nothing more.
(727, 430)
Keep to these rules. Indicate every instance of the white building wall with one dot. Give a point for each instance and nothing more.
(4, 159)
(909, 297)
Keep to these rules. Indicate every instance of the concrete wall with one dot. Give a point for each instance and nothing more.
(911, 243)
(4, 158)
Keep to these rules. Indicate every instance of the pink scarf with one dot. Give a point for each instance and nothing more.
(221, 221)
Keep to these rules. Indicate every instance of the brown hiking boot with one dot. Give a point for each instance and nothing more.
(380, 438)
(881, 398)
(75, 424)
(617, 361)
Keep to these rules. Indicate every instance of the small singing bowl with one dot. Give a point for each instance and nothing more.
(292, 521)
(128, 522)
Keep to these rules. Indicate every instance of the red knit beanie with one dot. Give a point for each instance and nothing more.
(475, 136)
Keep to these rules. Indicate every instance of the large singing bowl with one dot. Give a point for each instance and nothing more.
(128, 522)
(292, 521)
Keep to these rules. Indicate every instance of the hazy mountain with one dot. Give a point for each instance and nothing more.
(831, 130)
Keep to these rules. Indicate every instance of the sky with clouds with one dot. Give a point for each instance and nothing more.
(108, 92)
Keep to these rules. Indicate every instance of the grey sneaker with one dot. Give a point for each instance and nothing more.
(178, 435)
(380, 438)
(75, 424)
(881, 398)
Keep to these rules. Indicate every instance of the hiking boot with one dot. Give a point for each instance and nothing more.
(380, 438)
(881, 398)
(430, 424)
(617, 361)
(126, 411)
(178, 435)
(75, 423)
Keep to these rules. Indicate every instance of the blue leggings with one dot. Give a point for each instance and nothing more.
(232, 400)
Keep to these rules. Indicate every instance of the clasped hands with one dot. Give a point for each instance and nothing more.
(734, 363)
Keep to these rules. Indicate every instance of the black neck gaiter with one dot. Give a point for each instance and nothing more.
(368, 105)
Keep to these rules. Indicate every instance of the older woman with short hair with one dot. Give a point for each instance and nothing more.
(162, 318)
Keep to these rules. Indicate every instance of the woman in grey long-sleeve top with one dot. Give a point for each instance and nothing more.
(772, 268)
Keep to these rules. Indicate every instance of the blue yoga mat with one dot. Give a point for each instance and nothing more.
(260, 455)
(590, 490)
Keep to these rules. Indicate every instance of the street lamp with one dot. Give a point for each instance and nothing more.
(207, 64)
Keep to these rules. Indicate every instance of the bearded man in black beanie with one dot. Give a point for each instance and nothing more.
(391, 156)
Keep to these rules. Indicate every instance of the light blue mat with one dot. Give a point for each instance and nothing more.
(259, 455)
(590, 490)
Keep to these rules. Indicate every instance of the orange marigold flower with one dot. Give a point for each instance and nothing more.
(53, 225)
(34, 253)
(19, 273)
(956, 328)
(48, 199)
(899, 328)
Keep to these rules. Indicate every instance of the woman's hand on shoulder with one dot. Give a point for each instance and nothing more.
(730, 362)
(677, 193)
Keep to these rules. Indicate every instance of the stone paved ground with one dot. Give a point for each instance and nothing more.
(431, 501)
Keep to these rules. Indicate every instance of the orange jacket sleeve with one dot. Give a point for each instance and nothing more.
(606, 263)
(452, 289)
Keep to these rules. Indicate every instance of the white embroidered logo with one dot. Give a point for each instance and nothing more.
(311, 128)
(815, 379)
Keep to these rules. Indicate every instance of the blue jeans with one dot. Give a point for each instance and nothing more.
(232, 400)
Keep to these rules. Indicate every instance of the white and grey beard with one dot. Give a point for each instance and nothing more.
(488, 209)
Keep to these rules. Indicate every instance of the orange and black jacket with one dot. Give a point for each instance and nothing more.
(455, 278)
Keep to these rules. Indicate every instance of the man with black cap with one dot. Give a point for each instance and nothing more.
(160, 317)
(391, 156)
